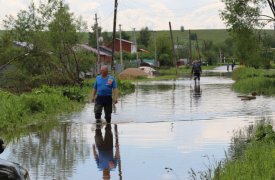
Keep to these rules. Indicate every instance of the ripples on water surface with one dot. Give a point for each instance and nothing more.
(162, 130)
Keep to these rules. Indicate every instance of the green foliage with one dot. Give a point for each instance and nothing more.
(242, 19)
(32, 105)
(164, 49)
(50, 33)
(73, 94)
(28, 108)
(125, 87)
(250, 80)
(144, 37)
(257, 158)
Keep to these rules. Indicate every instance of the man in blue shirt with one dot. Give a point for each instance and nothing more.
(104, 87)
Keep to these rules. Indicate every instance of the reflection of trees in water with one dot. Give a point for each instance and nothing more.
(54, 153)
(156, 87)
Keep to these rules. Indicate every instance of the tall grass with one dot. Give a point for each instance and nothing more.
(256, 160)
(42, 104)
(250, 80)
(31, 108)
(250, 156)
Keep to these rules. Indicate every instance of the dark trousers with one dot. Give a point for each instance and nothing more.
(197, 76)
(103, 102)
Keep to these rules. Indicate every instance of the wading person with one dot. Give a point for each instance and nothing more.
(105, 85)
(196, 70)
(103, 152)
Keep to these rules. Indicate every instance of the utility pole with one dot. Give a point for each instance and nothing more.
(190, 47)
(120, 47)
(198, 49)
(155, 48)
(97, 44)
(172, 40)
(136, 44)
(220, 55)
(114, 34)
(178, 53)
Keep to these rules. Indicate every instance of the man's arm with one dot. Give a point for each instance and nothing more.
(94, 95)
(115, 95)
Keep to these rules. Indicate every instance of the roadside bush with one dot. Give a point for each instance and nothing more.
(125, 87)
(73, 94)
(250, 80)
(33, 104)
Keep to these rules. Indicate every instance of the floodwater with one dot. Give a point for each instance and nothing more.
(159, 132)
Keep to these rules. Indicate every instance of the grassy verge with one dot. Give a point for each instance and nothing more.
(44, 104)
(250, 80)
(250, 156)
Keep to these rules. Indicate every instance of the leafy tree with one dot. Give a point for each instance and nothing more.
(164, 50)
(242, 19)
(92, 36)
(144, 37)
(64, 38)
(124, 35)
(48, 34)
(209, 52)
(107, 38)
(193, 36)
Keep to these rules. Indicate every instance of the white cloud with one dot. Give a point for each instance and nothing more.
(138, 13)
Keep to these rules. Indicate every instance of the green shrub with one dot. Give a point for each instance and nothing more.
(33, 104)
(250, 80)
(73, 94)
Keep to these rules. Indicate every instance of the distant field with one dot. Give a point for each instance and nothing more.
(215, 35)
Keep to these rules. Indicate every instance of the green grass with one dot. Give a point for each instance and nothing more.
(250, 80)
(31, 108)
(43, 105)
(251, 156)
(256, 160)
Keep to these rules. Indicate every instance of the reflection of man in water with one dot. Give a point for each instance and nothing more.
(197, 90)
(104, 155)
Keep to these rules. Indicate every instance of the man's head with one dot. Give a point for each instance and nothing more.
(106, 174)
(104, 70)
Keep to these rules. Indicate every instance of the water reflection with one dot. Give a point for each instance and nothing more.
(51, 154)
(197, 91)
(104, 155)
(195, 94)
(169, 134)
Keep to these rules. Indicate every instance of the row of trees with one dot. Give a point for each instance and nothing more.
(40, 47)
(245, 22)
(49, 34)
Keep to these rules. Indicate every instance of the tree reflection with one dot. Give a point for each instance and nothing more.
(52, 154)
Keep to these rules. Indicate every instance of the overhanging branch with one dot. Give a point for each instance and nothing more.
(17, 57)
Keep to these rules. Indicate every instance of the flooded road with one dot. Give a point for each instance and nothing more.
(159, 132)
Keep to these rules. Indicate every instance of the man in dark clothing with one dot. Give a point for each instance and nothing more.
(232, 66)
(196, 70)
(104, 87)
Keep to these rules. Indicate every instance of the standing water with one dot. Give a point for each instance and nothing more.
(159, 132)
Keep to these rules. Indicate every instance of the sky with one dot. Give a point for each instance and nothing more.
(155, 14)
